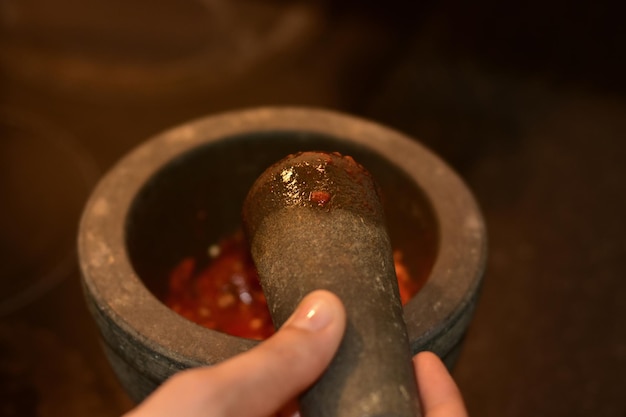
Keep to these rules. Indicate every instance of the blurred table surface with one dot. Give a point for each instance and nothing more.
(525, 101)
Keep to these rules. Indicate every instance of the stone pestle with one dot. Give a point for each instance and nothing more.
(315, 220)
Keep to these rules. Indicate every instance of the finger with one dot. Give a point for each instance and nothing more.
(288, 362)
(438, 392)
(260, 381)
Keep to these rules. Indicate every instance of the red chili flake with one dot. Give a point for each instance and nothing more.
(321, 198)
(407, 287)
(226, 294)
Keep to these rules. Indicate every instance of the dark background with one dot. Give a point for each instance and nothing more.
(526, 100)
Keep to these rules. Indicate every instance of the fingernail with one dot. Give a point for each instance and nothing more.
(314, 313)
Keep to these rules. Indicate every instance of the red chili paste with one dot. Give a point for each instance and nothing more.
(226, 294)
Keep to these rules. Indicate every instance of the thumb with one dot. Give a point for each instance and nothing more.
(260, 381)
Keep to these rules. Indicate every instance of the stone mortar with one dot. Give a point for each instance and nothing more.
(183, 190)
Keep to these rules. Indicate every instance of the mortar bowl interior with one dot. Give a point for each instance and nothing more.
(195, 201)
(182, 191)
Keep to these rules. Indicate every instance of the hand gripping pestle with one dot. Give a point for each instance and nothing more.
(315, 221)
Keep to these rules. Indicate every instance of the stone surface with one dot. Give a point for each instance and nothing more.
(301, 243)
(132, 232)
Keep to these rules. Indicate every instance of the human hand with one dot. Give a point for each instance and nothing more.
(261, 381)
(439, 395)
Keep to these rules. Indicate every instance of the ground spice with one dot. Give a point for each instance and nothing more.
(226, 295)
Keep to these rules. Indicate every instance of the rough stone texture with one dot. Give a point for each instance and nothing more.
(300, 245)
(133, 219)
(299, 250)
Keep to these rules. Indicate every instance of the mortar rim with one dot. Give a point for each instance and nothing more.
(433, 311)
